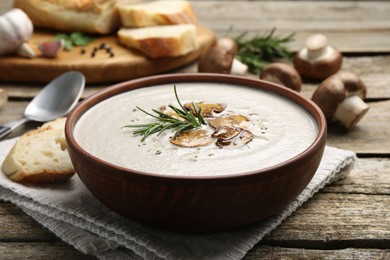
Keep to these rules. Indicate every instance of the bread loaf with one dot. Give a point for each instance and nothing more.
(156, 13)
(89, 16)
(161, 41)
(40, 156)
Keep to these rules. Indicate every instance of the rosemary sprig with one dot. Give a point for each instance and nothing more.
(260, 50)
(165, 121)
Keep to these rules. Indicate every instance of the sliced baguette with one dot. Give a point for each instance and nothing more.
(156, 13)
(40, 156)
(161, 41)
(89, 16)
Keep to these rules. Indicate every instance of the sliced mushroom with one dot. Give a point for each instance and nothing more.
(318, 60)
(206, 109)
(340, 98)
(170, 112)
(226, 132)
(192, 138)
(283, 74)
(231, 120)
(239, 140)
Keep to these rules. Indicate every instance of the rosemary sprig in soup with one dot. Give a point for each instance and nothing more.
(164, 121)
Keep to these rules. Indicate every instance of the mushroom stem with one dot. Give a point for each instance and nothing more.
(350, 111)
(316, 46)
(26, 51)
(238, 68)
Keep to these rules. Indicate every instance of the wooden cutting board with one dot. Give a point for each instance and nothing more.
(126, 63)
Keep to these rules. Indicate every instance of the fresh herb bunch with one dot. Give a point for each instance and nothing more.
(260, 50)
(74, 39)
(165, 121)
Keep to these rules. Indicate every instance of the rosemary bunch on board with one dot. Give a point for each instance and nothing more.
(256, 52)
(164, 121)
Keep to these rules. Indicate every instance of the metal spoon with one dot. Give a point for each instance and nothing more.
(56, 99)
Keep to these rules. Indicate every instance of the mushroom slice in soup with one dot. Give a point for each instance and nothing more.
(192, 138)
(170, 112)
(206, 109)
(231, 120)
(239, 140)
(226, 132)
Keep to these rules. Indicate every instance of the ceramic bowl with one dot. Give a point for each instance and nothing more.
(199, 204)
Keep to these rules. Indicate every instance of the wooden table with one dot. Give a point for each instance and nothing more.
(349, 219)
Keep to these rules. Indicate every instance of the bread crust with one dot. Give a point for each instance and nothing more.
(155, 43)
(156, 13)
(55, 166)
(88, 16)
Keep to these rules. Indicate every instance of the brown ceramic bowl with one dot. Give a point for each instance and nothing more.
(196, 203)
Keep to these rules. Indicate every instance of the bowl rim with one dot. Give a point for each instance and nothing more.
(122, 87)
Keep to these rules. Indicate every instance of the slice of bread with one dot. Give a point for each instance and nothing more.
(156, 13)
(161, 41)
(89, 16)
(40, 156)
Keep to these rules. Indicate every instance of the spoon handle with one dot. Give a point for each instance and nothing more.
(9, 127)
(4, 131)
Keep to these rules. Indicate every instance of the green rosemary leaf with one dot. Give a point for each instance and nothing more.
(257, 51)
(198, 114)
(177, 98)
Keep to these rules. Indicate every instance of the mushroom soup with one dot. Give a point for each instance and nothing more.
(274, 128)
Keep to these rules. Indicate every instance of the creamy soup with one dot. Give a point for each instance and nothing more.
(281, 130)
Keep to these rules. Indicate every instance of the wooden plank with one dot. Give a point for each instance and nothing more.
(364, 22)
(18, 226)
(370, 136)
(330, 220)
(5, 5)
(268, 252)
(351, 212)
(38, 250)
(369, 176)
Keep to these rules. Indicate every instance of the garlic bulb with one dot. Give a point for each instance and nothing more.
(15, 29)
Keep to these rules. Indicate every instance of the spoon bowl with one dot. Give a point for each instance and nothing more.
(56, 99)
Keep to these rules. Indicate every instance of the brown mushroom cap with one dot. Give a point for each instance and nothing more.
(219, 57)
(317, 60)
(335, 89)
(283, 74)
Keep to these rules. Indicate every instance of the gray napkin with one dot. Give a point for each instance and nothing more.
(71, 212)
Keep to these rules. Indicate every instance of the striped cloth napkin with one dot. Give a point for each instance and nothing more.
(71, 212)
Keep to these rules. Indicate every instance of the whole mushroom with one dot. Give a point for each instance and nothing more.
(283, 74)
(317, 60)
(220, 58)
(340, 98)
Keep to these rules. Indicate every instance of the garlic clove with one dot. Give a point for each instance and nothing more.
(50, 49)
(26, 51)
